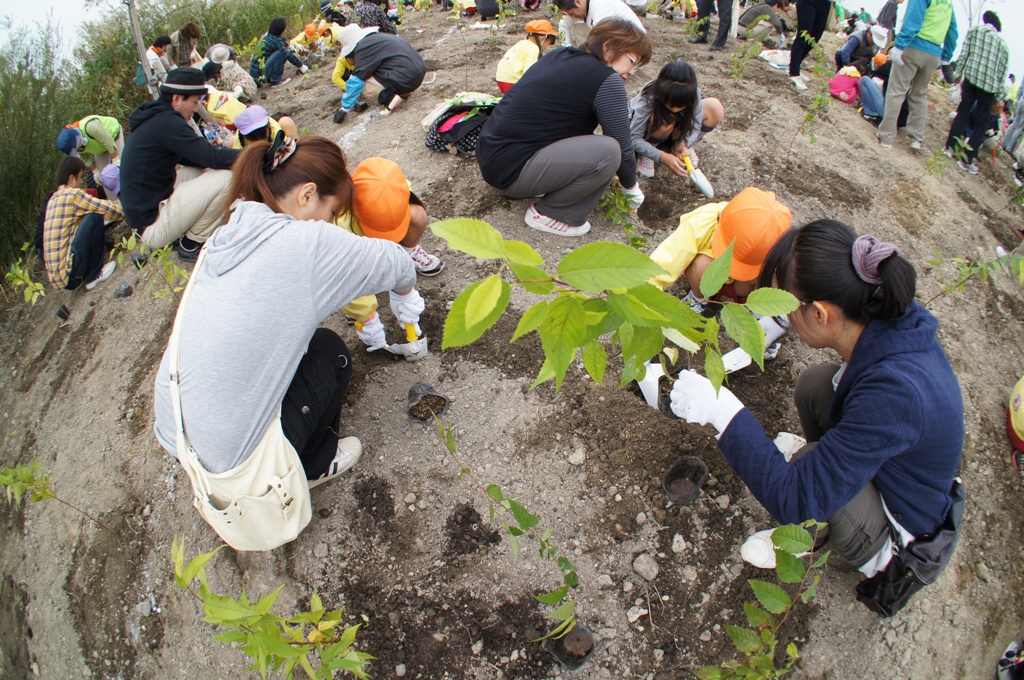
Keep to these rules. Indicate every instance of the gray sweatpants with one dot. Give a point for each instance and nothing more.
(569, 176)
(908, 81)
(858, 530)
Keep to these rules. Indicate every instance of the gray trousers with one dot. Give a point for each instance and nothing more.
(857, 530)
(908, 81)
(569, 176)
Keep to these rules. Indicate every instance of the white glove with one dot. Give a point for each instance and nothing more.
(408, 307)
(372, 333)
(303, 68)
(634, 196)
(774, 328)
(694, 400)
(896, 55)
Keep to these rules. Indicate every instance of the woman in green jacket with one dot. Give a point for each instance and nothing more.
(99, 140)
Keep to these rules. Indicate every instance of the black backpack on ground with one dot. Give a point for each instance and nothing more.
(464, 134)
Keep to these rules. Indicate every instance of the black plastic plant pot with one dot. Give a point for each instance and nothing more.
(572, 649)
(63, 313)
(425, 403)
(683, 480)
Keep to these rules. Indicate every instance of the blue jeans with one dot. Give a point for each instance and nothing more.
(87, 250)
(871, 97)
(273, 68)
(353, 89)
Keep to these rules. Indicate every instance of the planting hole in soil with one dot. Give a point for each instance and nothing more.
(683, 480)
(572, 649)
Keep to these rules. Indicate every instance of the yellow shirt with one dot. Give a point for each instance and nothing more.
(344, 64)
(519, 57)
(691, 238)
(274, 128)
(223, 106)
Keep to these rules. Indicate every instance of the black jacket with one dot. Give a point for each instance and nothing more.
(160, 139)
(391, 60)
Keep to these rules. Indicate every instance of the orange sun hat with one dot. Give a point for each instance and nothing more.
(381, 199)
(756, 221)
(541, 27)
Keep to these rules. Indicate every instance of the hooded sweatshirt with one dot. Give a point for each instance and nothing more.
(266, 284)
(161, 139)
(897, 420)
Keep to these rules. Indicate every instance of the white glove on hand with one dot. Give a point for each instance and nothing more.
(694, 400)
(896, 55)
(408, 307)
(303, 68)
(372, 333)
(774, 328)
(634, 196)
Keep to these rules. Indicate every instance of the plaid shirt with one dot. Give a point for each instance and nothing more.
(984, 60)
(64, 212)
(370, 14)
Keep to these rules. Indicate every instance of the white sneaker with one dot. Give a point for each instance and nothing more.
(968, 168)
(696, 304)
(947, 152)
(349, 451)
(645, 166)
(799, 82)
(759, 551)
(916, 146)
(105, 273)
(425, 263)
(552, 226)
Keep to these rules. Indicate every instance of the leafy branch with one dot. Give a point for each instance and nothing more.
(818, 107)
(620, 212)
(525, 522)
(599, 290)
(28, 481)
(792, 544)
(273, 642)
(967, 269)
(166, 277)
(20, 277)
(753, 48)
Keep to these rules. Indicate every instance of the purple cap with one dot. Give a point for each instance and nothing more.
(253, 118)
(110, 178)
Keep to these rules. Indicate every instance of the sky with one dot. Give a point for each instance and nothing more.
(71, 12)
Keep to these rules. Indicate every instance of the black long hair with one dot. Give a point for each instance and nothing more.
(675, 86)
(816, 263)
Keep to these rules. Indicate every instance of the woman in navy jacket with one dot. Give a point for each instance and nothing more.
(884, 429)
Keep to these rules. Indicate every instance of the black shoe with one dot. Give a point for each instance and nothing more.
(716, 48)
(361, 106)
(698, 41)
(186, 254)
(339, 115)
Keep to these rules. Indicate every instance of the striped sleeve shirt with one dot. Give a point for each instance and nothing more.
(64, 212)
(984, 60)
(611, 105)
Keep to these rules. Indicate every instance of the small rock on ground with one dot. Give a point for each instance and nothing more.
(645, 565)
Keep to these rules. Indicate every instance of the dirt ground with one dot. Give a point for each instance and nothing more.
(401, 539)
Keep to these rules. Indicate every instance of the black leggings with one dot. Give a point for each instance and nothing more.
(311, 410)
(811, 16)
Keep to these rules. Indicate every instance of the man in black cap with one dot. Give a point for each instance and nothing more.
(164, 203)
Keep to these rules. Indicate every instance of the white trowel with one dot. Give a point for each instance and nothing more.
(698, 178)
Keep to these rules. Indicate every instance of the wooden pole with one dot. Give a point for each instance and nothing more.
(140, 45)
(734, 28)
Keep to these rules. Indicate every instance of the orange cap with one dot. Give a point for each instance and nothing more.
(381, 201)
(880, 59)
(322, 27)
(756, 221)
(310, 30)
(541, 27)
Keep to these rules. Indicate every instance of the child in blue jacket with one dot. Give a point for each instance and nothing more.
(268, 65)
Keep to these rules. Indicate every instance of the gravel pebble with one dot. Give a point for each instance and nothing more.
(635, 613)
(577, 457)
(320, 550)
(645, 565)
(678, 544)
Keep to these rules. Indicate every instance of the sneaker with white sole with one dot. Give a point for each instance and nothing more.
(552, 226)
(947, 152)
(799, 82)
(759, 551)
(349, 451)
(425, 263)
(971, 169)
(105, 273)
(645, 166)
(916, 146)
(696, 304)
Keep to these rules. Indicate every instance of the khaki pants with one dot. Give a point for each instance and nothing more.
(371, 89)
(572, 31)
(908, 81)
(195, 209)
(758, 31)
(102, 160)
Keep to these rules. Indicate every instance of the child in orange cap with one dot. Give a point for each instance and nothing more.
(540, 35)
(753, 221)
(383, 206)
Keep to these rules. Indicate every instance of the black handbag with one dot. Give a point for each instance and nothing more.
(915, 566)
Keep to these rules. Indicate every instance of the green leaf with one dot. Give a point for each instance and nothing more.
(717, 273)
(746, 640)
(820, 562)
(806, 596)
(229, 636)
(220, 609)
(457, 333)
(554, 597)
(757, 617)
(772, 597)
(533, 279)
(742, 327)
(600, 266)
(531, 320)
(792, 651)
(772, 302)
(267, 601)
(632, 310)
(680, 340)
(595, 360)
(522, 253)
(197, 564)
(513, 540)
(483, 300)
(565, 565)
(524, 517)
(790, 569)
(714, 368)
(709, 673)
(792, 538)
(677, 313)
(571, 578)
(546, 373)
(473, 237)
(564, 611)
(561, 333)
(277, 645)
(494, 491)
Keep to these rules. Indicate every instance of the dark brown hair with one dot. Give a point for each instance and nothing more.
(68, 168)
(316, 159)
(617, 37)
(190, 31)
